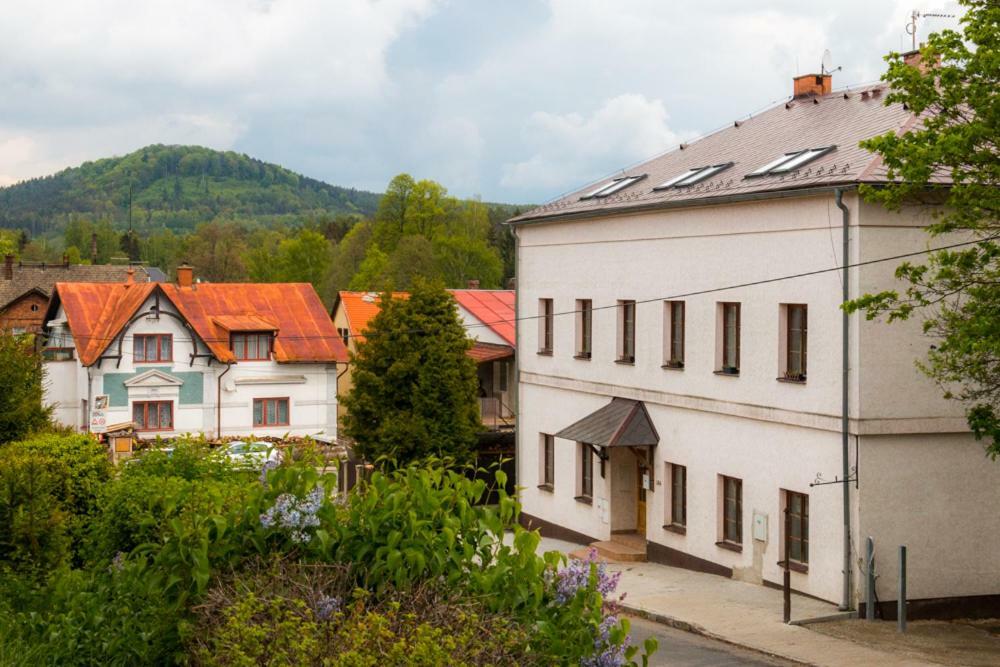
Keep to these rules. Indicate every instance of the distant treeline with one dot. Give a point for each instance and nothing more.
(416, 230)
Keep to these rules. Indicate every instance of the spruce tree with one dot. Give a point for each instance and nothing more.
(414, 391)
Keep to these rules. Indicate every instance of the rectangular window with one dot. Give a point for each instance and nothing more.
(732, 510)
(795, 341)
(251, 346)
(545, 326)
(586, 490)
(730, 338)
(677, 478)
(626, 330)
(673, 327)
(153, 415)
(584, 328)
(152, 347)
(500, 373)
(270, 412)
(797, 527)
(548, 476)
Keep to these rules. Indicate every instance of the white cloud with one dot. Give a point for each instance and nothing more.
(572, 149)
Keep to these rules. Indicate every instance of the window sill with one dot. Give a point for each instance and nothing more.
(545, 353)
(794, 566)
(625, 362)
(672, 367)
(586, 500)
(790, 381)
(727, 374)
(674, 528)
(730, 546)
(546, 487)
(582, 356)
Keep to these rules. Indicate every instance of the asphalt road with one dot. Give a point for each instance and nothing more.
(678, 647)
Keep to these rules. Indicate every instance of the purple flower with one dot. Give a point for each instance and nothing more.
(606, 653)
(327, 606)
(268, 465)
(117, 563)
(576, 577)
(295, 515)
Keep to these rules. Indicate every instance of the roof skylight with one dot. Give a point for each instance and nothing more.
(613, 187)
(791, 161)
(692, 176)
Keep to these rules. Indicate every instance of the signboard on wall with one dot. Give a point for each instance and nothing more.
(98, 414)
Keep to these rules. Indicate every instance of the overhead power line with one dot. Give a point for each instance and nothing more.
(671, 297)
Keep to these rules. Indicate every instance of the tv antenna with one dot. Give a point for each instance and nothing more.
(826, 65)
(911, 27)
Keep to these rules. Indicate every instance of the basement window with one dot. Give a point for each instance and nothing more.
(692, 176)
(791, 161)
(614, 186)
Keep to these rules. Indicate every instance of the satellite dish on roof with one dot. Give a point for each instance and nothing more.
(827, 61)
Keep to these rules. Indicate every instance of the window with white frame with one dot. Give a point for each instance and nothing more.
(585, 472)
(728, 327)
(676, 498)
(673, 334)
(793, 344)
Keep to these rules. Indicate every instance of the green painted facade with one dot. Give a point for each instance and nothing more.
(191, 392)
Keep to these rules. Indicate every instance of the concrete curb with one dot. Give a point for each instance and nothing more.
(842, 616)
(693, 628)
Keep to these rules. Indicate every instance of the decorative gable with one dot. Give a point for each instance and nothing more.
(154, 378)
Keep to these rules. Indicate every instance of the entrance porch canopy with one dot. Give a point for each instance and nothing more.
(621, 423)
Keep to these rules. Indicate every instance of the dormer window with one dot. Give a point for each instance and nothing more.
(614, 186)
(692, 176)
(251, 346)
(791, 161)
(152, 348)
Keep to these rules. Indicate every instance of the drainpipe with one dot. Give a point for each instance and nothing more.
(845, 397)
(218, 401)
(90, 398)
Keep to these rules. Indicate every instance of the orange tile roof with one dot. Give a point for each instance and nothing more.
(361, 307)
(494, 308)
(97, 312)
(483, 352)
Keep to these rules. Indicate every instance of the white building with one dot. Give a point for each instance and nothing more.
(222, 359)
(671, 389)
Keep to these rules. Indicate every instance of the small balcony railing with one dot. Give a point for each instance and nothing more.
(494, 414)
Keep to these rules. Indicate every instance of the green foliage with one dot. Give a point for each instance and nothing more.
(414, 392)
(216, 251)
(955, 290)
(80, 233)
(34, 524)
(21, 375)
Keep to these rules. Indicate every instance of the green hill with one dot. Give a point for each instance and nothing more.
(175, 187)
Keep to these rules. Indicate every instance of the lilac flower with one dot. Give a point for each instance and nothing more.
(270, 464)
(606, 653)
(327, 606)
(117, 563)
(576, 577)
(295, 515)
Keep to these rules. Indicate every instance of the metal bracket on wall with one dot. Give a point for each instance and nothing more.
(852, 478)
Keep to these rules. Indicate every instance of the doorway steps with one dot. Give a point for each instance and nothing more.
(621, 548)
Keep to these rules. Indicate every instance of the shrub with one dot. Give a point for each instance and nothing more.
(34, 526)
(22, 411)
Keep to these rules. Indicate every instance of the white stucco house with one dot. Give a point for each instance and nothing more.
(688, 382)
(223, 359)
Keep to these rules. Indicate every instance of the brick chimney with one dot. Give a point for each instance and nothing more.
(93, 248)
(915, 59)
(8, 267)
(473, 284)
(185, 275)
(812, 84)
(130, 276)
(65, 260)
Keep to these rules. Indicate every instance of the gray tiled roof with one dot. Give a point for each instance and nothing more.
(621, 423)
(841, 119)
(44, 277)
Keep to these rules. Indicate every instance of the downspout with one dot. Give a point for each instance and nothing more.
(90, 398)
(845, 398)
(218, 401)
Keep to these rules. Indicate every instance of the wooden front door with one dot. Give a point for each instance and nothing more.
(640, 520)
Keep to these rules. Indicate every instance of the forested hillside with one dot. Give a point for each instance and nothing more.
(236, 219)
(173, 187)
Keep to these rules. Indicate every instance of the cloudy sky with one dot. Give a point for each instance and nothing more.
(513, 100)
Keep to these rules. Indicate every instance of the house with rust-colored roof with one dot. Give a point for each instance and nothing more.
(224, 359)
(691, 391)
(488, 316)
(25, 288)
